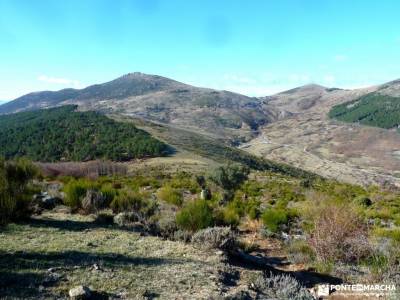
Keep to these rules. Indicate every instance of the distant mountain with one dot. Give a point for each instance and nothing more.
(129, 85)
(156, 98)
(309, 139)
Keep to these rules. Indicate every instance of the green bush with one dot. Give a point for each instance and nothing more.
(132, 201)
(75, 191)
(230, 216)
(363, 201)
(194, 216)
(16, 189)
(170, 195)
(273, 218)
(186, 181)
(253, 212)
(229, 177)
(108, 193)
(141, 181)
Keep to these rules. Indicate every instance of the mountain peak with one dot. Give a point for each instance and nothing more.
(136, 75)
(312, 87)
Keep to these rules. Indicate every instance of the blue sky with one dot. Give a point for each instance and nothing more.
(253, 47)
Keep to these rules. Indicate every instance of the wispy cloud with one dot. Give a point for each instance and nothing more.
(60, 81)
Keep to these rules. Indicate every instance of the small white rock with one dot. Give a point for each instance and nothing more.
(80, 292)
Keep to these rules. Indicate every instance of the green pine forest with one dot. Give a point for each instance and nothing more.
(373, 109)
(63, 133)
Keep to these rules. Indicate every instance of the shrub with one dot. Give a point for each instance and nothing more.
(166, 225)
(75, 191)
(253, 212)
(339, 235)
(108, 193)
(16, 189)
(201, 181)
(135, 202)
(282, 287)
(215, 238)
(230, 216)
(183, 180)
(170, 195)
(93, 201)
(141, 181)
(300, 252)
(194, 216)
(229, 177)
(273, 218)
(363, 201)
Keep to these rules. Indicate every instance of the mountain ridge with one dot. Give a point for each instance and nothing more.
(214, 112)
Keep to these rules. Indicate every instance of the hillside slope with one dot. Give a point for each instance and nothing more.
(309, 139)
(374, 109)
(215, 151)
(217, 113)
(63, 134)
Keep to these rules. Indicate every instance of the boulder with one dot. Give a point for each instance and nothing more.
(45, 201)
(80, 293)
(49, 202)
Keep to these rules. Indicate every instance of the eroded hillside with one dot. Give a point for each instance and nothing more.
(309, 139)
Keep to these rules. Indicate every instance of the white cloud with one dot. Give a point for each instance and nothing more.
(60, 81)
(340, 57)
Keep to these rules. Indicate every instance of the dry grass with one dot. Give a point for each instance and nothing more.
(130, 264)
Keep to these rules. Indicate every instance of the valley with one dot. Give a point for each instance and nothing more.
(292, 127)
(309, 139)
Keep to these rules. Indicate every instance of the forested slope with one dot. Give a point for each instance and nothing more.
(64, 134)
(373, 109)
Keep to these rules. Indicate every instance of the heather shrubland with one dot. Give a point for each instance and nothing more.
(321, 224)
